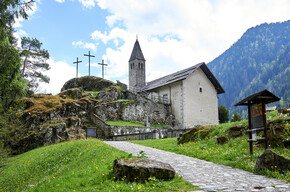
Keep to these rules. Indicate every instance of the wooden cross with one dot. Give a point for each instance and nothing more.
(89, 55)
(77, 62)
(103, 64)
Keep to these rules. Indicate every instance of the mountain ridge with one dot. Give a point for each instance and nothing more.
(258, 60)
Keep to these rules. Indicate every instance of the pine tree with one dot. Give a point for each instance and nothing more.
(223, 114)
(34, 62)
(236, 117)
(12, 85)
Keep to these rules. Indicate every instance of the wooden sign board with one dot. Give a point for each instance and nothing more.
(256, 116)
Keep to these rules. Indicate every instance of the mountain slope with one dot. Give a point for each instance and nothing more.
(259, 60)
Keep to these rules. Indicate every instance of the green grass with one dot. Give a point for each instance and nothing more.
(126, 123)
(93, 93)
(83, 165)
(235, 153)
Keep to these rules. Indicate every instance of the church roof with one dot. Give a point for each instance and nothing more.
(137, 52)
(181, 75)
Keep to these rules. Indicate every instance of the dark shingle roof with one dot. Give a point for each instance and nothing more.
(137, 52)
(265, 96)
(181, 75)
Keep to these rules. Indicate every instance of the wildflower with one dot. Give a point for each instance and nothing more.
(97, 167)
(139, 187)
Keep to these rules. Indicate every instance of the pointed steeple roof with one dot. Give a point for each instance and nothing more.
(137, 52)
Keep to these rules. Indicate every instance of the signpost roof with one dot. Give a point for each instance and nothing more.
(263, 96)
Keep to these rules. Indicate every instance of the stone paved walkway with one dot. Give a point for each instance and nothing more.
(208, 176)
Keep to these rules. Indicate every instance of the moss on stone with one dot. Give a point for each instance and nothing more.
(196, 133)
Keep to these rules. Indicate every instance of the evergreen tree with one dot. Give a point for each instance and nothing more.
(223, 114)
(12, 85)
(236, 117)
(34, 62)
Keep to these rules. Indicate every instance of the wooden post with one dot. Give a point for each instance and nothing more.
(77, 62)
(103, 64)
(89, 55)
(265, 124)
(250, 128)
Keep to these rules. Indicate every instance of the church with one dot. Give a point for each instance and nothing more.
(192, 93)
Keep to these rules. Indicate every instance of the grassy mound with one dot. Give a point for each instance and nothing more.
(83, 165)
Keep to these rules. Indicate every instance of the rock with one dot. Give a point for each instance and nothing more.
(74, 93)
(195, 133)
(222, 140)
(87, 83)
(123, 85)
(110, 94)
(141, 170)
(237, 130)
(271, 161)
(279, 132)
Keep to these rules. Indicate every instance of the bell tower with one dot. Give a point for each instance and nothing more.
(137, 79)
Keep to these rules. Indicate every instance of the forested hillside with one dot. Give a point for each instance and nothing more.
(259, 60)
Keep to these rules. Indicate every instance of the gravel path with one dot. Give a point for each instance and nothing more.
(208, 176)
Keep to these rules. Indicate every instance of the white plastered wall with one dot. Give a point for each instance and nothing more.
(200, 106)
(174, 97)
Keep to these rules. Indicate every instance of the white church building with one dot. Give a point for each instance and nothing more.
(192, 92)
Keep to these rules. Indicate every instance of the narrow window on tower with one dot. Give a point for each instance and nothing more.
(141, 65)
(200, 90)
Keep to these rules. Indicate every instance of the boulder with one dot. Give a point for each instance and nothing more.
(222, 140)
(141, 170)
(237, 130)
(87, 83)
(110, 94)
(195, 133)
(279, 132)
(74, 93)
(272, 161)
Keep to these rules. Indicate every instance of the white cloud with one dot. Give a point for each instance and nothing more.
(80, 44)
(178, 34)
(59, 73)
(60, 1)
(87, 3)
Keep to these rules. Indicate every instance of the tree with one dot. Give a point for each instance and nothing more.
(236, 117)
(223, 114)
(34, 62)
(12, 85)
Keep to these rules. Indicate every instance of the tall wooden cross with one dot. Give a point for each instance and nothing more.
(77, 62)
(89, 55)
(103, 64)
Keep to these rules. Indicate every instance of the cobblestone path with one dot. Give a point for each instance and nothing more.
(208, 176)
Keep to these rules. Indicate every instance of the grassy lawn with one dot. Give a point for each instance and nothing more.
(126, 123)
(83, 165)
(235, 153)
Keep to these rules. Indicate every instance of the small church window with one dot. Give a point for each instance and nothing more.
(132, 65)
(200, 90)
(141, 65)
(165, 99)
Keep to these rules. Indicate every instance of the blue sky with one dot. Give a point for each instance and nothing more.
(173, 34)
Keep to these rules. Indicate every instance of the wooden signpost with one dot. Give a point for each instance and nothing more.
(257, 115)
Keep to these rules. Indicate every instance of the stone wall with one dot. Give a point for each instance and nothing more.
(123, 133)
